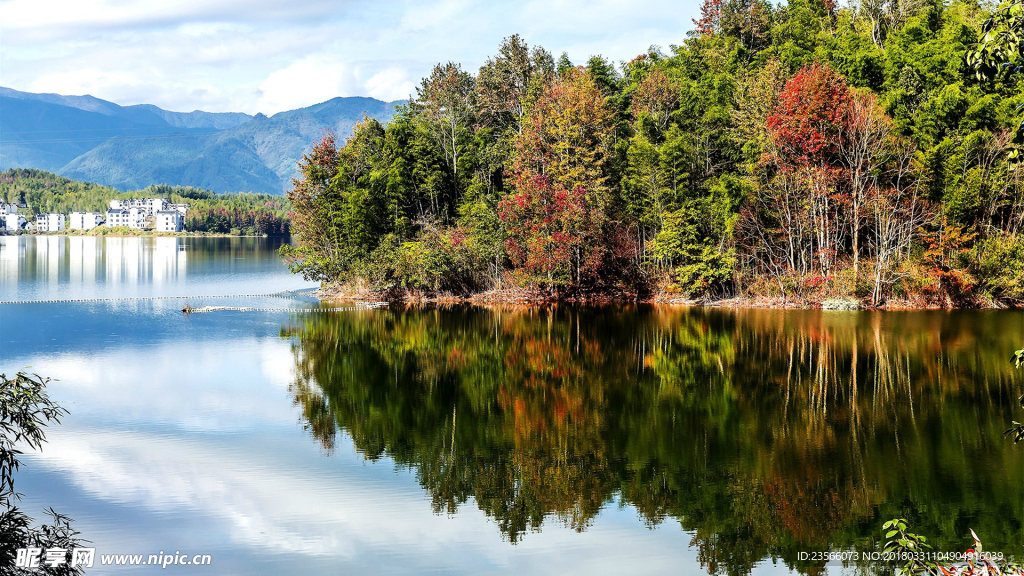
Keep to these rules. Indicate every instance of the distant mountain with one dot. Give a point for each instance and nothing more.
(131, 147)
(145, 114)
(196, 118)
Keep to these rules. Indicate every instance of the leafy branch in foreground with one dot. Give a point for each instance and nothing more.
(1000, 54)
(25, 411)
(1001, 49)
(1016, 430)
(912, 555)
(910, 549)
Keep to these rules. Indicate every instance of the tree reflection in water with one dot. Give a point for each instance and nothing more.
(763, 433)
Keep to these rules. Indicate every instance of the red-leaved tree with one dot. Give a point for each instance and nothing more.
(710, 18)
(807, 131)
(556, 213)
(812, 115)
(553, 232)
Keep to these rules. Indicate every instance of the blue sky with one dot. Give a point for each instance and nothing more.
(272, 55)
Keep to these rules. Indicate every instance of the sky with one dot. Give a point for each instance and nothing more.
(273, 55)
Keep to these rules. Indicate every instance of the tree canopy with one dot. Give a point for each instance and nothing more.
(803, 151)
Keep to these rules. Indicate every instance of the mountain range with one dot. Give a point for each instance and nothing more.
(131, 147)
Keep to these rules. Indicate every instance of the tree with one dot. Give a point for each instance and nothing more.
(564, 64)
(317, 253)
(897, 214)
(656, 97)
(554, 233)
(693, 241)
(807, 129)
(885, 16)
(775, 224)
(861, 148)
(1001, 48)
(556, 214)
(566, 137)
(811, 117)
(506, 80)
(1000, 52)
(710, 18)
(446, 100)
(746, 20)
(757, 97)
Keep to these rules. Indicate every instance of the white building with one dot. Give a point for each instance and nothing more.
(52, 222)
(6, 208)
(135, 212)
(85, 220)
(14, 221)
(148, 206)
(130, 217)
(170, 221)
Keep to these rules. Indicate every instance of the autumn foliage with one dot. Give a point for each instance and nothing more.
(553, 232)
(780, 152)
(812, 116)
(566, 136)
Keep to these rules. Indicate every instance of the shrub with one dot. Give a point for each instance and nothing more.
(438, 260)
(693, 241)
(1000, 261)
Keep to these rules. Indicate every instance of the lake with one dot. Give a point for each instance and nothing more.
(598, 440)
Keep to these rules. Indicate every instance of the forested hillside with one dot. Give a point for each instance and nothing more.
(131, 147)
(800, 152)
(242, 213)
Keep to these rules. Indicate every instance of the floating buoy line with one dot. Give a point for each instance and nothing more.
(138, 298)
(358, 306)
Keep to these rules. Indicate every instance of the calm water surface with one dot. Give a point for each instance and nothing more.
(469, 440)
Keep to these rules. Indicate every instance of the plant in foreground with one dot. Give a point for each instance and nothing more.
(909, 550)
(25, 411)
(1016, 430)
(911, 555)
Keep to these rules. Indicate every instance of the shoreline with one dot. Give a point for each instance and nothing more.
(526, 297)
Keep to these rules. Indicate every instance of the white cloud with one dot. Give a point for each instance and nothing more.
(62, 16)
(390, 84)
(307, 81)
(85, 81)
(286, 500)
(271, 55)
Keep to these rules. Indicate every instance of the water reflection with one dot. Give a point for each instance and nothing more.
(762, 433)
(66, 267)
(195, 446)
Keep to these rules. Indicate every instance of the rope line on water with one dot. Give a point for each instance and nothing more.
(361, 306)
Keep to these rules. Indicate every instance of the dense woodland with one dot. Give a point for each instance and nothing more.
(802, 151)
(209, 212)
